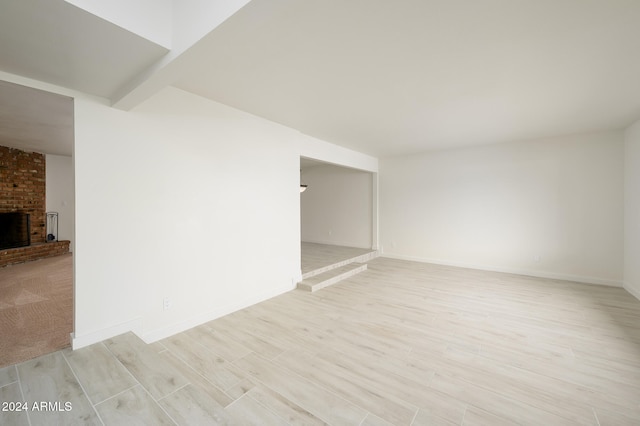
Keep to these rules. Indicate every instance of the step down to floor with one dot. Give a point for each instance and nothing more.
(331, 276)
(362, 258)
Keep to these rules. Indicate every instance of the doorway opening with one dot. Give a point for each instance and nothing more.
(338, 222)
(36, 277)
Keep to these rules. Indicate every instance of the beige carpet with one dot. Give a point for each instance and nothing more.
(36, 308)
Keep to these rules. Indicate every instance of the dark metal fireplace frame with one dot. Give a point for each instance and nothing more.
(15, 230)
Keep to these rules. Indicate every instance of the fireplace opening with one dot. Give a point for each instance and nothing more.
(14, 230)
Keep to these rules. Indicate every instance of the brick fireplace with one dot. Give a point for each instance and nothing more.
(23, 190)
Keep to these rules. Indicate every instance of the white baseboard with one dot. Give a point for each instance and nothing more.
(633, 291)
(134, 325)
(530, 273)
(161, 333)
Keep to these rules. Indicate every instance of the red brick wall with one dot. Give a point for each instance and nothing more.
(22, 187)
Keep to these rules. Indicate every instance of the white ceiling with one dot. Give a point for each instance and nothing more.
(381, 77)
(56, 42)
(393, 77)
(35, 121)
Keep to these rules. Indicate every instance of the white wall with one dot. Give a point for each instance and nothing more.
(632, 210)
(60, 194)
(231, 180)
(337, 206)
(181, 198)
(551, 208)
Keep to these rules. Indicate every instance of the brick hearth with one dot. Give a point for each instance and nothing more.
(32, 252)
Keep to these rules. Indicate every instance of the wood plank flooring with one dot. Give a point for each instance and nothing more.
(402, 343)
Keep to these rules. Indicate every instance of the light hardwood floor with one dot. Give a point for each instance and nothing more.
(401, 343)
